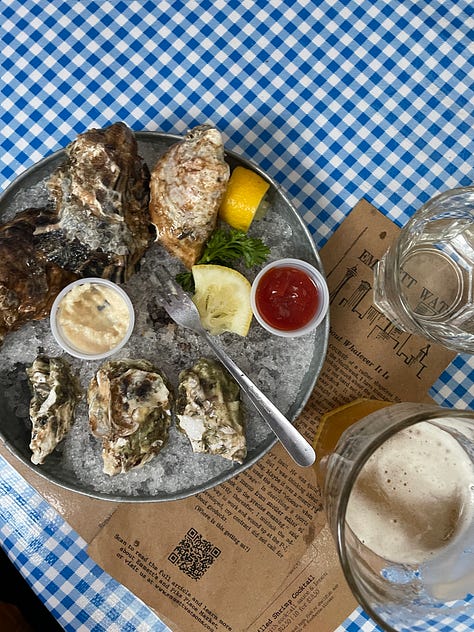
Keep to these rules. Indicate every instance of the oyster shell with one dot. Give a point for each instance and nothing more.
(100, 195)
(130, 410)
(98, 224)
(56, 392)
(29, 281)
(186, 189)
(208, 410)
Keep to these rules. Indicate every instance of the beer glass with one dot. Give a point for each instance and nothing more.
(424, 283)
(398, 490)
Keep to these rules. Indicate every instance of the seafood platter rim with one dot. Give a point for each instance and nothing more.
(311, 376)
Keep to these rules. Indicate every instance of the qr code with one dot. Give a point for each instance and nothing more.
(194, 555)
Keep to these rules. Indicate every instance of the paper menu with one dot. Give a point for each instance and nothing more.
(253, 554)
(368, 356)
(313, 597)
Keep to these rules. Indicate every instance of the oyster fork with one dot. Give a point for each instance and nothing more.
(184, 312)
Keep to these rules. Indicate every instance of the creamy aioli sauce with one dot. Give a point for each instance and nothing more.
(93, 318)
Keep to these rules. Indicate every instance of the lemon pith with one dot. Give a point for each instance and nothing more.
(222, 297)
(244, 194)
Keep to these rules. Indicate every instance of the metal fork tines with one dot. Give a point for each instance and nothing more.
(178, 304)
(180, 307)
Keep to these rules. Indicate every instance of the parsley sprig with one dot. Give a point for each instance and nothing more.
(225, 248)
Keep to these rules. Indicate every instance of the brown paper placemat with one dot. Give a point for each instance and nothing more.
(254, 554)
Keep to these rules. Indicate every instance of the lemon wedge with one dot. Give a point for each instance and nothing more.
(222, 297)
(244, 194)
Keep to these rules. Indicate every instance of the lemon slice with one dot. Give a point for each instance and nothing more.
(223, 299)
(243, 196)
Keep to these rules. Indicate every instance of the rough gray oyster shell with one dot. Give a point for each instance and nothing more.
(56, 392)
(100, 196)
(130, 410)
(209, 412)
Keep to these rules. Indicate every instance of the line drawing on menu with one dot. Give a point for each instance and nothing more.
(355, 298)
(346, 252)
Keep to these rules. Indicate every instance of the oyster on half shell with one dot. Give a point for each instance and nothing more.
(130, 410)
(56, 392)
(187, 185)
(209, 412)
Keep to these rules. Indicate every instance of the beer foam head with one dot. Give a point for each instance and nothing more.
(413, 495)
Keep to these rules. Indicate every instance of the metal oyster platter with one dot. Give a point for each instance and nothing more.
(285, 369)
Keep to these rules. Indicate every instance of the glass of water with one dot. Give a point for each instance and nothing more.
(424, 282)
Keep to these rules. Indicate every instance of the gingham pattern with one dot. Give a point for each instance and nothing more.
(337, 100)
(54, 561)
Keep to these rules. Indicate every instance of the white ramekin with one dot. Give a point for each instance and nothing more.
(66, 344)
(318, 280)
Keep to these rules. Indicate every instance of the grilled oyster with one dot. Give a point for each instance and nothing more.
(56, 392)
(98, 224)
(130, 410)
(186, 188)
(208, 410)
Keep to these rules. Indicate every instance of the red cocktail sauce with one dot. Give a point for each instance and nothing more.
(287, 298)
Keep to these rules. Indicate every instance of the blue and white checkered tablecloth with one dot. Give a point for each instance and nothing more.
(335, 99)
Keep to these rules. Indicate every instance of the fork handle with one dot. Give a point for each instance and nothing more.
(294, 443)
